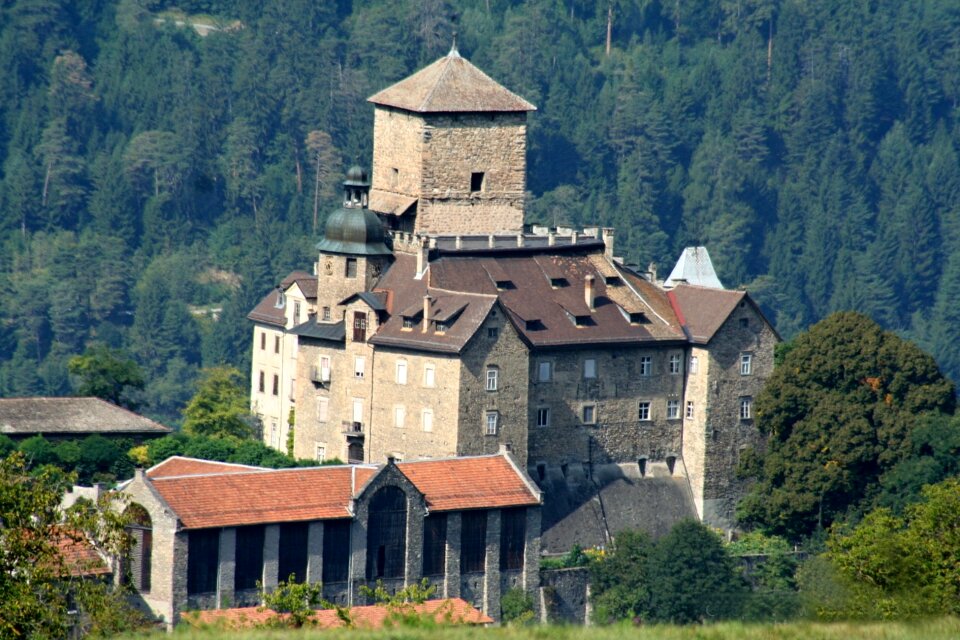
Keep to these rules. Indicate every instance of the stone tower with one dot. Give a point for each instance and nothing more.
(352, 253)
(449, 152)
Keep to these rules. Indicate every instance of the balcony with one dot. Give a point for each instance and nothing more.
(320, 375)
(352, 429)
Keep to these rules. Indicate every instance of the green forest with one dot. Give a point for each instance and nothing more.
(164, 165)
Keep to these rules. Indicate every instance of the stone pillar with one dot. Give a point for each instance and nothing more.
(228, 568)
(491, 576)
(358, 560)
(315, 552)
(413, 560)
(181, 544)
(271, 556)
(530, 579)
(451, 571)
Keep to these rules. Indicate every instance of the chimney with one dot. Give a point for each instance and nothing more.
(519, 239)
(588, 292)
(573, 237)
(458, 242)
(652, 272)
(551, 238)
(607, 235)
(426, 312)
(491, 241)
(391, 460)
(423, 256)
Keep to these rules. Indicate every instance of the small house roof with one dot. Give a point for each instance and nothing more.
(72, 416)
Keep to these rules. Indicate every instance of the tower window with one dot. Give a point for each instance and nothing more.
(395, 176)
(477, 181)
(351, 269)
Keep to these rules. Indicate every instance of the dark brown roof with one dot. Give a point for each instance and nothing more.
(703, 310)
(451, 84)
(29, 416)
(233, 497)
(267, 310)
(469, 309)
(307, 283)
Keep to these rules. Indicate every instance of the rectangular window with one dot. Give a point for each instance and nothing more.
(357, 411)
(429, 376)
(321, 452)
(644, 411)
(694, 364)
(746, 408)
(673, 409)
(248, 558)
(351, 268)
(323, 409)
(492, 419)
(203, 560)
(473, 541)
(292, 558)
(441, 327)
(325, 315)
(543, 417)
(276, 344)
(395, 177)
(513, 537)
(296, 313)
(589, 413)
(359, 326)
(590, 368)
(646, 365)
(426, 420)
(746, 364)
(744, 323)
(675, 363)
(359, 366)
(262, 384)
(493, 332)
(689, 409)
(408, 322)
(544, 370)
(477, 181)
(336, 545)
(492, 376)
(276, 385)
(263, 341)
(435, 544)
(401, 372)
(399, 417)
(324, 368)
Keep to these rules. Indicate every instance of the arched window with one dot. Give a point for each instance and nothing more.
(387, 534)
(140, 529)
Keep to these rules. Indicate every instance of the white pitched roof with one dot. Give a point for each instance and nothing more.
(694, 267)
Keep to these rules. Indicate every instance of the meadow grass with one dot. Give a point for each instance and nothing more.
(938, 629)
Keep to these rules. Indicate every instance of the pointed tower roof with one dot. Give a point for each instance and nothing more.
(450, 85)
(694, 267)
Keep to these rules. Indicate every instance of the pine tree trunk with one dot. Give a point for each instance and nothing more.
(46, 184)
(316, 197)
(769, 48)
(609, 26)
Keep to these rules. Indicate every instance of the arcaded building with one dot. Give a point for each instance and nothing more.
(207, 532)
(435, 324)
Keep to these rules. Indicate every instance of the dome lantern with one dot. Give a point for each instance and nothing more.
(353, 229)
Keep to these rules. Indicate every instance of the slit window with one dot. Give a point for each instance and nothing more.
(203, 561)
(435, 544)
(746, 408)
(248, 558)
(477, 181)
(292, 560)
(513, 533)
(336, 541)
(473, 543)
(543, 417)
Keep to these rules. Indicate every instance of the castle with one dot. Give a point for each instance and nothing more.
(435, 324)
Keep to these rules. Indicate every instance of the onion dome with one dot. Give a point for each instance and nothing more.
(353, 229)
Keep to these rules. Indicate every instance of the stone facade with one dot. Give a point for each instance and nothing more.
(466, 171)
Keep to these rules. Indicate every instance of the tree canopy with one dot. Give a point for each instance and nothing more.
(839, 412)
(219, 408)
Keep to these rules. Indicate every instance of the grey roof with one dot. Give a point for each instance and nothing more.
(451, 85)
(320, 330)
(354, 231)
(694, 267)
(65, 416)
(376, 300)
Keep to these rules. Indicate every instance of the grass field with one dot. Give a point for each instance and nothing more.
(940, 629)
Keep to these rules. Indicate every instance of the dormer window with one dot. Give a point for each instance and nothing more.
(613, 281)
(408, 323)
(281, 299)
(534, 325)
(441, 327)
(505, 285)
(559, 283)
(638, 317)
(477, 181)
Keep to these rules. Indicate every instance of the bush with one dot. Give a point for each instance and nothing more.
(516, 607)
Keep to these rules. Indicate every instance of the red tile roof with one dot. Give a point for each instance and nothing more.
(180, 466)
(483, 482)
(282, 495)
(449, 611)
(238, 495)
(80, 558)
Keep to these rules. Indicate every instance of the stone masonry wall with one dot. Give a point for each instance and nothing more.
(745, 331)
(618, 434)
(398, 142)
(508, 355)
(695, 428)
